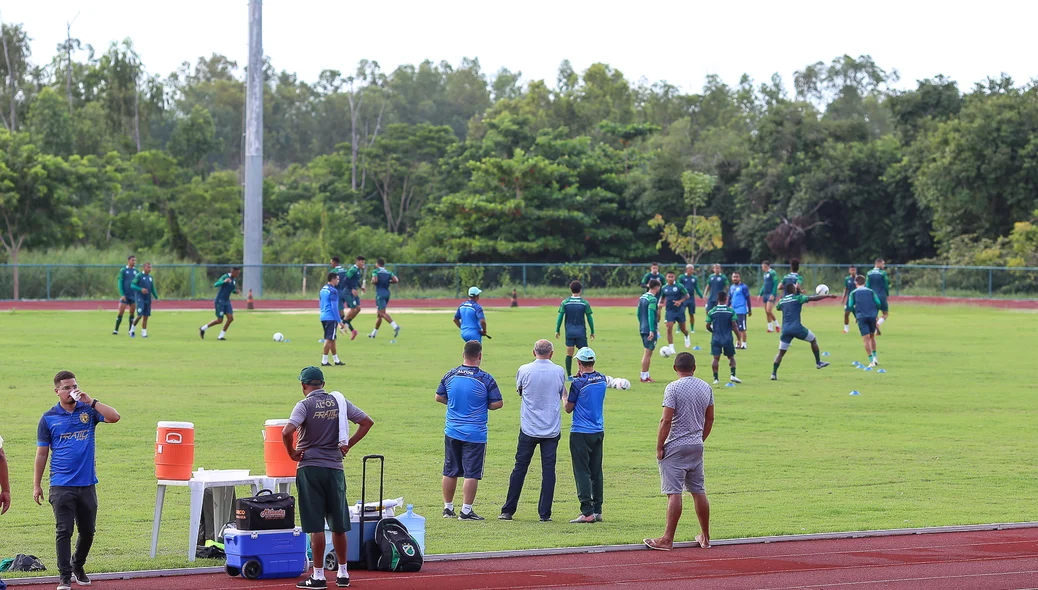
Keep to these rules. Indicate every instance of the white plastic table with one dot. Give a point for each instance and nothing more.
(221, 498)
(278, 485)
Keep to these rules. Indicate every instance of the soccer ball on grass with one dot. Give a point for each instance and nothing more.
(668, 351)
(279, 337)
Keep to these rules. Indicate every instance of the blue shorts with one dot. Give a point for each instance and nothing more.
(329, 329)
(463, 459)
(867, 326)
(767, 298)
(725, 348)
(223, 308)
(127, 299)
(883, 303)
(691, 307)
(144, 307)
(577, 342)
(800, 334)
(649, 344)
(676, 314)
(740, 321)
(382, 301)
(468, 335)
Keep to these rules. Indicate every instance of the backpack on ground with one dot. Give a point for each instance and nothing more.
(397, 549)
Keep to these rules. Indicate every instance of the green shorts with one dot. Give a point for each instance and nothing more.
(382, 302)
(351, 301)
(649, 344)
(322, 497)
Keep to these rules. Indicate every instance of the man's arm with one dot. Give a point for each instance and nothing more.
(665, 423)
(749, 299)
(821, 297)
(708, 424)
(5, 484)
(122, 291)
(590, 320)
(290, 444)
(654, 317)
(558, 320)
(645, 280)
(221, 280)
(684, 296)
(393, 278)
(494, 398)
(135, 284)
(483, 326)
(111, 416)
(362, 430)
(571, 401)
(850, 303)
(37, 479)
(457, 322)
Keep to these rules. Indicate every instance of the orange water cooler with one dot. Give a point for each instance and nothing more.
(174, 450)
(275, 455)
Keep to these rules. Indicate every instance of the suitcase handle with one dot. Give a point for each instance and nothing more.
(263, 491)
(363, 489)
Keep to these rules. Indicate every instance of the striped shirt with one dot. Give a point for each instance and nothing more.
(689, 397)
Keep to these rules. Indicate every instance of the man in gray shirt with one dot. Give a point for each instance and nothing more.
(319, 476)
(541, 385)
(688, 417)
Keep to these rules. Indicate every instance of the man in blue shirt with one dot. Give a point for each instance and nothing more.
(382, 278)
(468, 392)
(331, 317)
(226, 286)
(126, 275)
(739, 296)
(68, 430)
(586, 402)
(470, 318)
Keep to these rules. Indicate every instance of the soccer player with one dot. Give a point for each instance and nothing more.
(330, 318)
(673, 297)
(739, 296)
(574, 309)
(793, 278)
(470, 318)
(691, 284)
(653, 274)
(865, 304)
(143, 286)
(769, 294)
(791, 306)
(849, 285)
(648, 325)
(879, 282)
(126, 275)
(354, 282)
(721, 323)
(715, 283)
(227, 285)
(341, 288)
(382, 279)
(586, 435)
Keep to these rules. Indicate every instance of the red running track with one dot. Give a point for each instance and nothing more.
(1005, 559)
(97, 305)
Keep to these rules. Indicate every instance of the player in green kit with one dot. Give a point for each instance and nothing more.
(143, 286)
(126, 276)
(574, 310)
(354, 286)
(865, 304)
(722, 324)
(382, 278)
(793, 278)
(691, 284)
(652, 275)
(769, 294)
(648, 325)
(791, 306)
(879, 282)
(227, 285)
(849, 285)
(673, 297)
(715, 284)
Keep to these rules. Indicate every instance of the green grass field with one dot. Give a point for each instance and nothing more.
(946, 437)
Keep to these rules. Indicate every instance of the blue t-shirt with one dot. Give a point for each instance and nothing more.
(588, 393)
(329, 304)
(470, 312)
(469, 392)
(739, 297)
(70, 436)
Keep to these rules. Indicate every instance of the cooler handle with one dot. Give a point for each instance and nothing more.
(170, 436)
(363, 489)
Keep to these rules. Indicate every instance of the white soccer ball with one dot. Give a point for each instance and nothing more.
(822, 289)
(621, 383)
(667, 351)
(278, 336)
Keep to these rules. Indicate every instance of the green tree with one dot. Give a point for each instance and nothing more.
(699, 234)
(50, 125)
(194, 141)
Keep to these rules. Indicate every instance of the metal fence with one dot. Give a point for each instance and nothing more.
(302, 281)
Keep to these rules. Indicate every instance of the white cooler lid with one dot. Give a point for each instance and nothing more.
(281, 422)
(176, 425)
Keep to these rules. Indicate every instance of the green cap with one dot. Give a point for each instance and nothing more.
(586, 355)
(311, 376)
(474, 291)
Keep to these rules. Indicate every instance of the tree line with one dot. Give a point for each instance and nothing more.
(443, 163)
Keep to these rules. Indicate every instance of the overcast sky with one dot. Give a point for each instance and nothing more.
(679, 41)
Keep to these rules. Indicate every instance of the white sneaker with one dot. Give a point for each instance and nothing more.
(873, 364)
(846, 330)
(688, 342)
(744, 345)
(735, 379)
(716, 381)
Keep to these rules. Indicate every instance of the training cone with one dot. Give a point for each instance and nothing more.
(855, 364)
(855, 393)
(868, 368)
(729, 385)
(826, 354)
(696, 348)
(882, 371)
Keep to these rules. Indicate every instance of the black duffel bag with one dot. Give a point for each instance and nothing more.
(265, 511)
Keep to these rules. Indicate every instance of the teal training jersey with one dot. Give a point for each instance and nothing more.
(225, 289)
(144, 281)
(669, 295)
(691, 284)
(650, 276)
(878, 281)
(769, 285)
(791, 306)
(648, 314)
(793, 278)
(126, 276)
(716, 283)
(849, 284)
(864, 303)
(573, 310)
(382, 278)
(720, 320)
(352, 278)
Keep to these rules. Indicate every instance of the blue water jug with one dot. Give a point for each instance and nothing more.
(415, 525)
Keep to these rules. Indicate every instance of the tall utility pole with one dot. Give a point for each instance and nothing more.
(253, 271)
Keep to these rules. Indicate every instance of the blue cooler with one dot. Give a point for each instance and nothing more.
(352, 541)
(260, 555)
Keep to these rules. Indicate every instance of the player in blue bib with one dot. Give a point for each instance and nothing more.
(740, 301)
(470, 319)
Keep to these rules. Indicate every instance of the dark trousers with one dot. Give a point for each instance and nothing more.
(523, 457)
(586, 451)
(73, 506)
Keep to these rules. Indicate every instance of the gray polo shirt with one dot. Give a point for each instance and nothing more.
(689, 397)
(317, 418)
(542, 385)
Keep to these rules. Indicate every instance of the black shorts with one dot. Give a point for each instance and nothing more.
(577, 342)
(329, 329)
(463, 459)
